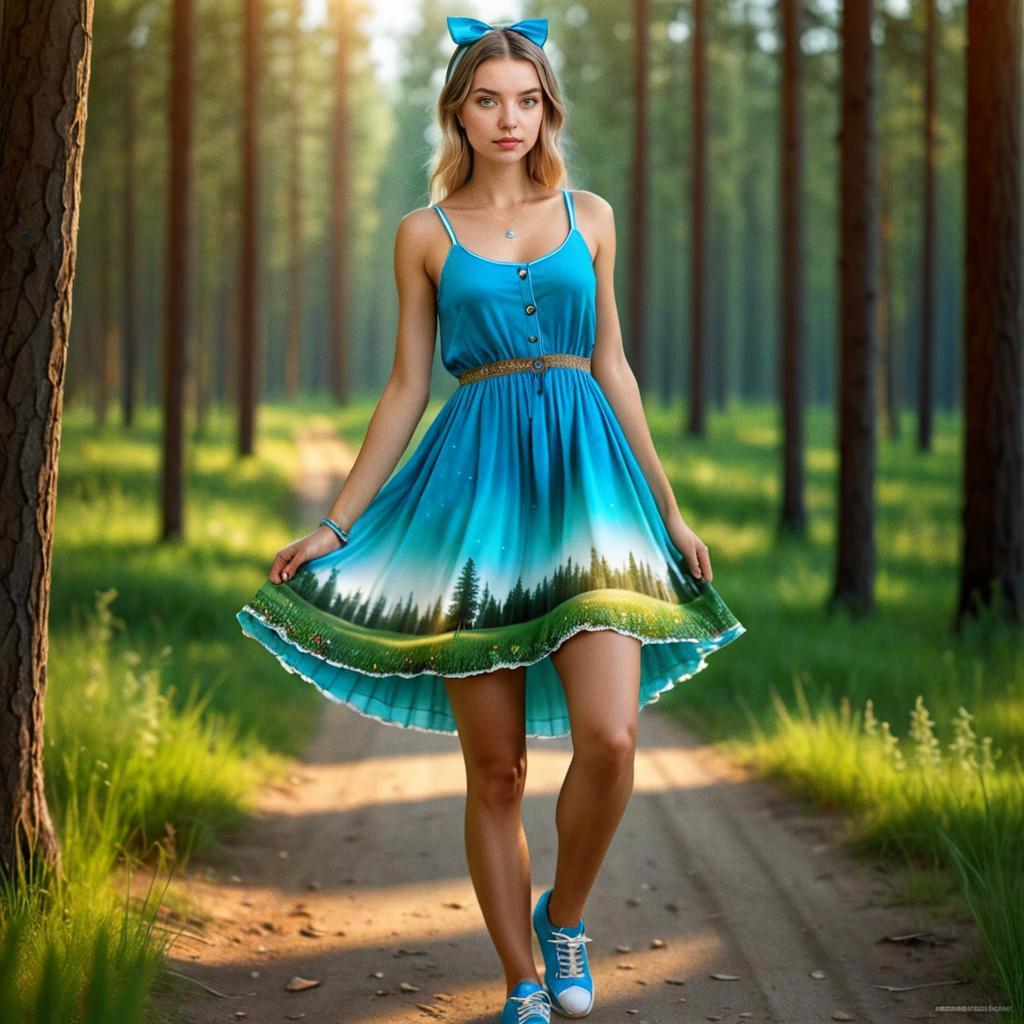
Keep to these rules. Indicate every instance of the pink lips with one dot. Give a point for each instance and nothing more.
(507, 143)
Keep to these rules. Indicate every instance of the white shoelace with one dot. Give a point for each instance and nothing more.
(569, 949)
(533, 1003)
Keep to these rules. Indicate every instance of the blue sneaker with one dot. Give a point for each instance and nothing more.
(566, 972)
(527, 1003)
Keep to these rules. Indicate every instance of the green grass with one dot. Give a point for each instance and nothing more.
(800, 694)
(160, 718)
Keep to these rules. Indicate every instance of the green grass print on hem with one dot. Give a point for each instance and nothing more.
(397, 678)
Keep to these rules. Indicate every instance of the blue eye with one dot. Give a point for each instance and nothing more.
(529, 99)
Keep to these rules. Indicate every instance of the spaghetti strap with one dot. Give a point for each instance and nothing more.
(569, 207)
(447, 224)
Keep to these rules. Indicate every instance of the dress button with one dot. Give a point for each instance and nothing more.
(533, 337)
(531, 309)
(538, 363)
(522, 271)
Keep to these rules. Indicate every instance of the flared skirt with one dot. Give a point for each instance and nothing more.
(521, 519)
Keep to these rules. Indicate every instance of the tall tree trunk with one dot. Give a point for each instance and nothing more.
(722, 309)
(751, 373)
(202, 378)
(340, 338)
(129, 333)
(150, 298)
(858, 320)
(928, 257)
(177, 272)
(887, 380)
(45, 56)
(754, 341)
(698, 256)
(792, 371)
(232, 341)
(293, 360)
(107, 368)
(664, 354)
(992, 571)
(639, 268)
(250, 340)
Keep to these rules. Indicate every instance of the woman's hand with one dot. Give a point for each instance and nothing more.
(692, 547)
(322, 541)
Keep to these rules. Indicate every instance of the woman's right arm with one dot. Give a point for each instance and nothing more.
(401, 404)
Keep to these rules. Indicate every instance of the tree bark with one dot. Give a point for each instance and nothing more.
(179, 250)
(926, 359)
(793, 514)
(107, 369)
(340, 339)
(698, 216)
(992, 569)
(858, 320)
(45, 54)
(250, 339)
(129, 331)
(639, 266)
(293, 360)
(887, 395)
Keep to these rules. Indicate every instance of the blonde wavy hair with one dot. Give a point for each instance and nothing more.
(452, 160)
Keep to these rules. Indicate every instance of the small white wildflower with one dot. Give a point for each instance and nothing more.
(870, 722)
(964, 747)
(987, 760)
(927, 750)
(891, 745)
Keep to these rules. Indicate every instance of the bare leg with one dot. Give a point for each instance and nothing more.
(600, 672)
(490, 715)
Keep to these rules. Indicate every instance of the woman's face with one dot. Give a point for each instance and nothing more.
(504, 100)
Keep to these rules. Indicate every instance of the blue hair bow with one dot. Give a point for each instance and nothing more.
(467, 30)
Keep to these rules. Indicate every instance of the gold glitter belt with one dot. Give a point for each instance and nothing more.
(538, 364)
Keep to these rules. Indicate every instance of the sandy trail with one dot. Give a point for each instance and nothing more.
(354, 874)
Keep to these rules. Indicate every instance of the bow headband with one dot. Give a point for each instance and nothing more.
(468, 30)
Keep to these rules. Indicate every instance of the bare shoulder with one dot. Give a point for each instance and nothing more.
(418, 241)
(417, 229)
(596, 208)
(421, 244)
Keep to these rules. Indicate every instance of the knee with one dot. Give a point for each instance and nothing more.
(497, 780)
(608, 752)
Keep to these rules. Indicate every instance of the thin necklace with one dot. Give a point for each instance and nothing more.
(509, 233)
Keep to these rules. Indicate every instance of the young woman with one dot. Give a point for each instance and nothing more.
(527, 572)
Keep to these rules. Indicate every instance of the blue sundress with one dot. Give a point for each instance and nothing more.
(522, 518)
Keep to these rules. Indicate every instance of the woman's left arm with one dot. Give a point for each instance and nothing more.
(615, 377)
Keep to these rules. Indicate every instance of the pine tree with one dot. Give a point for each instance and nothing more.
(465, 599)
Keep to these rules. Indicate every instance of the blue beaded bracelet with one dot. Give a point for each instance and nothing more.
(343, 534)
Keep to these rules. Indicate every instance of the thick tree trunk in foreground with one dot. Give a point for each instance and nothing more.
(45, 53)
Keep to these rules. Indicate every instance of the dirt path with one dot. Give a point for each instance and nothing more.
(354, 874)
